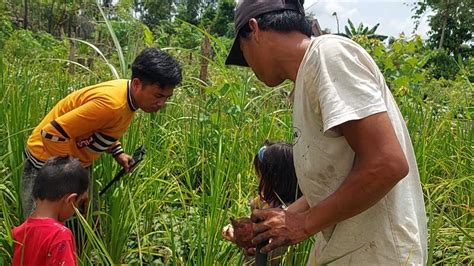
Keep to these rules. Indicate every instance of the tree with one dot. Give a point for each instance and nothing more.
(189, 10)
(451, 24)
(209, 11)
(223, 21)
(25, 18)
(53, 16)
(154, 12)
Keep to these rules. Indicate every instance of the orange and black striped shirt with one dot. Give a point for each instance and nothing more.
(84, 124)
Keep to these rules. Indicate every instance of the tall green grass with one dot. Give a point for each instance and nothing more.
(198, 173)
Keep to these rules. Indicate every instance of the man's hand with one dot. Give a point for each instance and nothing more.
(125, 161)
(279, 227)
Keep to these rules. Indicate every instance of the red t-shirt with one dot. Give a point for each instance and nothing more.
(43, 241)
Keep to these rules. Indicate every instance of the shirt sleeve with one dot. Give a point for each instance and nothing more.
(63, 253)
(116, 149)
(347, 87)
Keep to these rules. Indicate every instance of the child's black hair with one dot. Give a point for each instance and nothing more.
(274, 165)
(60, 176)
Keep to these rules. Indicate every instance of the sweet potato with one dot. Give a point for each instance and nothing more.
(243, 232)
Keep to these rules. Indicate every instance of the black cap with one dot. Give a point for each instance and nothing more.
(248, 9)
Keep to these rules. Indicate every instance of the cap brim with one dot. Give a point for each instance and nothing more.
(235, 56)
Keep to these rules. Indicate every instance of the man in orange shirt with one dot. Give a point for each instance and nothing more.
(90, 121)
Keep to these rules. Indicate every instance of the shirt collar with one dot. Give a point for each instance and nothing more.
(129, 97)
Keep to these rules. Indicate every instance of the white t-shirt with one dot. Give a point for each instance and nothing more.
(337, 82)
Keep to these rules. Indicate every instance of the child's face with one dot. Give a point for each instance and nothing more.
(71, 201)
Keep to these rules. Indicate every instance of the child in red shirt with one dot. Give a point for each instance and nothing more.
(62, 184)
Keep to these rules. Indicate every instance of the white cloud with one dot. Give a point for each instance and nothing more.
(394, 16)
(332, 7)
(398, 26)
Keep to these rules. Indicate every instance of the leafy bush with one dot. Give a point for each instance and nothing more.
(442, 65)
(24, 44)
(402, 62)
(6, 29)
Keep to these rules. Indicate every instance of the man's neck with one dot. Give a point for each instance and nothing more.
(290, 49)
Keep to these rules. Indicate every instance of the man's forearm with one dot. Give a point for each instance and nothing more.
(300, 205)
(359, 192)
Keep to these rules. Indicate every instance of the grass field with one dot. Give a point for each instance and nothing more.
(198, 173)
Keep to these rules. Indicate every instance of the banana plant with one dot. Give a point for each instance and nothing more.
(351, 31)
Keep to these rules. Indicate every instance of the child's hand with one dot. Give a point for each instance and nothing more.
(228, 233)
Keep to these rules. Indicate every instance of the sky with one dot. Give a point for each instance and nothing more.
(394, 16)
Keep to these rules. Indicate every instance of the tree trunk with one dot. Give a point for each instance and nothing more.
(205, 54)
(447, 10)
(50, 18)
(72, 54)
(443, 29)
(25, 18)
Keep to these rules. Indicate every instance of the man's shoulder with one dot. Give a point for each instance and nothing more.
(329, 47)
(109, 88)
(332, 38)
(120, 83)
(110, 94)
(331, 42)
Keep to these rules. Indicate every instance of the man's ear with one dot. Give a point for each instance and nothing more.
(253, 24)
(136, 83)
(71, 199)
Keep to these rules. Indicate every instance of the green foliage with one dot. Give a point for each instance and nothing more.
(410, 62)
(223, 21)
(24, 44)
(451, 25)
(189, 10)
(54, 17)
(154, 13)
(361, 30)
(197, 172)
(443, 65)
(6, 27)
(178, 34)
(443, 110)
(403, 63)
(216, 16)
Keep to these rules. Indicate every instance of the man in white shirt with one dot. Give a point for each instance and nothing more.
(352, 152)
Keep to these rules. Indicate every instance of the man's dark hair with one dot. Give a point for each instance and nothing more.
(274, 166)
(281, 21)
(60, 176)
(153, 66)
